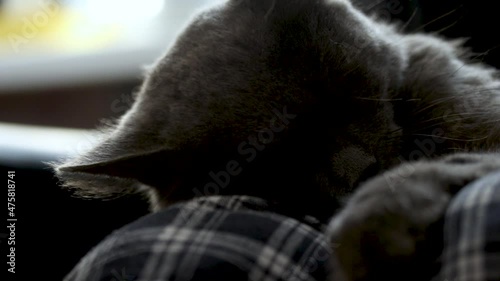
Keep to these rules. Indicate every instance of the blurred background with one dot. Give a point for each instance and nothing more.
(66, 65)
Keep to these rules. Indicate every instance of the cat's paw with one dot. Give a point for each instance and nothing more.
(391, 227)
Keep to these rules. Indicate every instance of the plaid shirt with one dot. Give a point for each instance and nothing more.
(243, 238)
(211, 238)
(472, 233)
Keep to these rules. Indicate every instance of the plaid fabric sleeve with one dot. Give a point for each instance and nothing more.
(212, 238)
(472, 233)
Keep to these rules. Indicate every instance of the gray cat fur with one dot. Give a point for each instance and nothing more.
(351, 97)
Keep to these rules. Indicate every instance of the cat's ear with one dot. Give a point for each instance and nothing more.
(115, 167)
(138, 167)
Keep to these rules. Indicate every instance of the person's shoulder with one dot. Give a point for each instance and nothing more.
(212, 238)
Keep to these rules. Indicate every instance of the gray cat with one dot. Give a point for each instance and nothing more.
(299, 102)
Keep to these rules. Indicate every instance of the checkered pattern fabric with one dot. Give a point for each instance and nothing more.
(243, 238)
(212, 238)
(472, 233)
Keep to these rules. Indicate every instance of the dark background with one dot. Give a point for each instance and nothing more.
(55, 230)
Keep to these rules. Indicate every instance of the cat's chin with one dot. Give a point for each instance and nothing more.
(370, 171)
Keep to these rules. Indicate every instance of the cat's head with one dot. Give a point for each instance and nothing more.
(289, 100)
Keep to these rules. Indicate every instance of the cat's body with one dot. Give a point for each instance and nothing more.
(294, 101)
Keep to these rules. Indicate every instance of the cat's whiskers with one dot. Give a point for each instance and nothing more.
(491, 121)
(474, 57)
(449, 26)
(473, 117)
(469, 114)
(452, 139)
(351, 70)
(457, 96)
(457, 148)
(378, 99)
(392, 134)
(437, 102)
(403, 28)
(484, 54)
(439, 18)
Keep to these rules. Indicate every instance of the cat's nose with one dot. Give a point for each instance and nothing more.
(353, 164)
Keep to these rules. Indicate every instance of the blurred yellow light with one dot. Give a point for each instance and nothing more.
(48, 26)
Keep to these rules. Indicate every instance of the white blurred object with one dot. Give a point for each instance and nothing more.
(16, 7)
(132, 20)
(22, 144)
(124, 11)
(113, 41)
